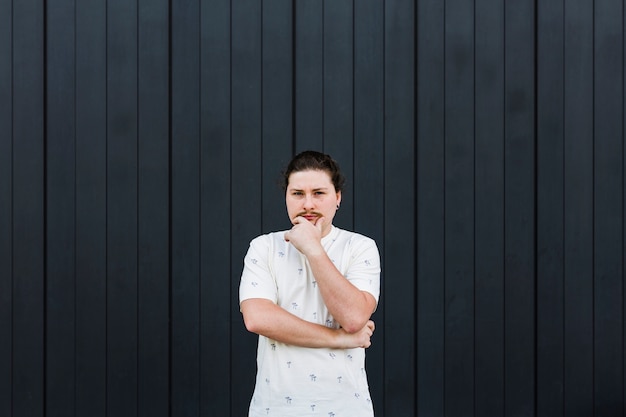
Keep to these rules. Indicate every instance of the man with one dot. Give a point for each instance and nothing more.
(309, 293)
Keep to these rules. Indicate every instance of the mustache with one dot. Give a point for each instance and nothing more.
(308, 213)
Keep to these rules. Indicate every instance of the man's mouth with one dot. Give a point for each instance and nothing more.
(310, 216)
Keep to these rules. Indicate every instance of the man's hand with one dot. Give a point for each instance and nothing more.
(306, 236)
(362, 338)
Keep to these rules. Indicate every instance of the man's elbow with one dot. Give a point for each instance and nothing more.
(355, 324)
(359, 316)
(351, 329)
(254, 312)
(249, 323)
(252, 323)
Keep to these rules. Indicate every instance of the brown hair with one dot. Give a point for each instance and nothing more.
(315, 161)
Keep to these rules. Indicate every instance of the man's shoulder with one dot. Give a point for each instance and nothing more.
(351, 236)
(269, 239)
(271, 235)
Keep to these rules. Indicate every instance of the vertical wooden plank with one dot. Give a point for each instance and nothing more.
(399, 249)
(215, 198)
(338, 96)
(608, 208)
(489, 208)
(459, 207)
(430, 206)
(368, 182)
(246, 200)
(578, 209)
(369, 117)
(623, 217)
(60, 210)
(550, 146)
(309, 78)
(278, 84)
(6, 206)
(185, 206)
(91, 265)
(519, 209)
(122, 208)
(28, 209)
(153, 209)
(246, 182)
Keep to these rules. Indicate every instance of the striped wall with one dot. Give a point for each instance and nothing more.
(140, 147)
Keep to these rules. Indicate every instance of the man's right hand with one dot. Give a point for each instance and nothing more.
(362, 338)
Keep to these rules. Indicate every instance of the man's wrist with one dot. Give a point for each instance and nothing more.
(315, 252)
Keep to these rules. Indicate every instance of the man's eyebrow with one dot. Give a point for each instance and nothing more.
(314, 189)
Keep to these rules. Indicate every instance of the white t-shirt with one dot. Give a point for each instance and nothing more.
(294, 381)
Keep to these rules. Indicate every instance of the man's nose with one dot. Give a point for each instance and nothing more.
(308, 201)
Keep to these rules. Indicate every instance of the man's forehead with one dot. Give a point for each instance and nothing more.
(309, 180)
(300, 186)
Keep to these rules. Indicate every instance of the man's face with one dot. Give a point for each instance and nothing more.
(311, 194)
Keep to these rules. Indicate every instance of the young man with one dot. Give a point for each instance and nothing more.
(308, 293)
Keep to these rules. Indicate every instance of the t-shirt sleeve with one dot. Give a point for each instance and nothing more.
(256, 279)
(364, 269)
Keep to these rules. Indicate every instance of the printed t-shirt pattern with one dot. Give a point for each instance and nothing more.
(296, 381)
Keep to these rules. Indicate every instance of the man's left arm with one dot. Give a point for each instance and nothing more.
(349, 305)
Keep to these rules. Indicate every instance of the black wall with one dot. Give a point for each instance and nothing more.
(141, 143)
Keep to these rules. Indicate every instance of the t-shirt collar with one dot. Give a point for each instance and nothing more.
(332, 235)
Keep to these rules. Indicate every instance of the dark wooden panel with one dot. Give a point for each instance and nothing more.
(316, 75)
(6, 206)
(122, 343)
(399, 245)
(519, 203)
(608, 250)
(309, 75)
(153, 209)
(368, 178)
(489, 208)
(91, 208)
(246, 200)
(430, 207)
(185, 206)
(28, 210)
(368, 119)
(215, 197)
(459, 208)
(278, 124)
(60, 210)
(578, 210)
(338, 96)
(550, 216)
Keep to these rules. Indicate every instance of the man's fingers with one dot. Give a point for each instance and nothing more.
(367, 343)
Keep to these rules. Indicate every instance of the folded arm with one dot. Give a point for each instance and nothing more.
(264, 317)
